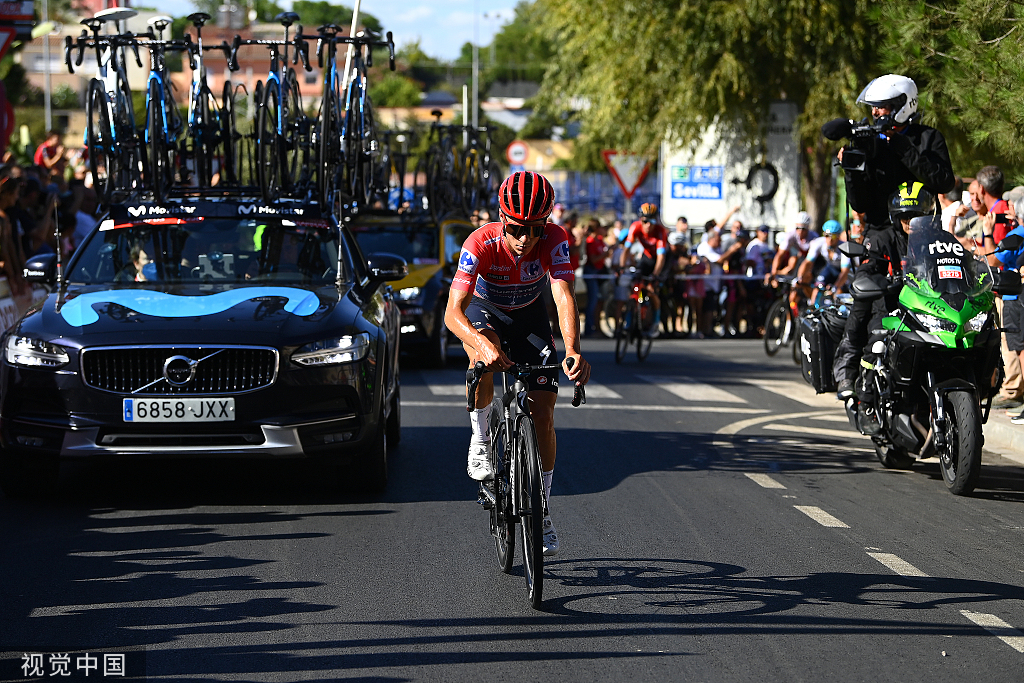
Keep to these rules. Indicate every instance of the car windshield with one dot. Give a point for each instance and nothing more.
(937, 263)
(216, 250)
(416, 243)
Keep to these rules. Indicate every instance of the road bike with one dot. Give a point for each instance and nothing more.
(481, 174)
(443, 183)
(635, 323)
(164, 124)
(283, 137)
(111, 136)
(779, 325)
(391, 168)
(515, 494)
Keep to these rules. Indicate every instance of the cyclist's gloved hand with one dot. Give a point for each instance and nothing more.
(580, 371)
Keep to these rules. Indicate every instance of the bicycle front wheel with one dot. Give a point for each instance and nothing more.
(776, 325)
(503, 523)
(528, 483)
(472, 181)
(100, 142)
(160, 170)
(621, 339)
(268, 166)
(229, 135)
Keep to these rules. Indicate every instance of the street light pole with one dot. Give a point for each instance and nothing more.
(46, 70)
(476, 60)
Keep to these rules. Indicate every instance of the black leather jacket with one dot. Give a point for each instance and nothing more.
(918, 154)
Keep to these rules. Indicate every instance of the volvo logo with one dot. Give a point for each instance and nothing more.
(179, 370)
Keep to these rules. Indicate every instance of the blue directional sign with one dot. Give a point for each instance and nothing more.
(697, 182)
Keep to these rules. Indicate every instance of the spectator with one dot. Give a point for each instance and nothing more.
(85, 217)
(593, 271)
(682, 226)
(695, 293)
(710, 251)
(557, 213)
(50, 153)
(11, 263)
(990, 185)
(677, 260)
(758, 259)
(951, 203)
(734, 257)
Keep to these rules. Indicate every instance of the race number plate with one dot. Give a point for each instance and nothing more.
(179, 409)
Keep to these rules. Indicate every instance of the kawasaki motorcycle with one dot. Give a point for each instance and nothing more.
(928, 378)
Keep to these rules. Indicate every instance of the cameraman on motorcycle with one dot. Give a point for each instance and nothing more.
(894, 152)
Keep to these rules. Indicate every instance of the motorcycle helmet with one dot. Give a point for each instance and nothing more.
(831, 228)
(894, 92)
(909, 201)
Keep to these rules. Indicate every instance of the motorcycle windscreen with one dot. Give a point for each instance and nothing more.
(938, 264)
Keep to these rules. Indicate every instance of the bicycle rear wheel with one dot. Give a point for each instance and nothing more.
(129, 145)
(621, 339)
(268, 166)
(528, 485)
(503, 523)
(471, 182)
(160, 170)
(229, 135)
(775, 326)
(295, 141)
(102, 164)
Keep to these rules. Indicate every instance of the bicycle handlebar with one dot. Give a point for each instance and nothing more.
(473, 375)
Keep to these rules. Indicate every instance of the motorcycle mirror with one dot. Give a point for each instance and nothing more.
(868, 286)
(852, 249)
(1010, 243)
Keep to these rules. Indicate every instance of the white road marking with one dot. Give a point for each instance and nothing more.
(690, 390)
(997, 627)
(594, 390)
(800, 392)
(898, 564)
(764, 480)
(832, 418)
(816, 431)
(612, 406)
(447, 389)
(740, 425)
(821, 517)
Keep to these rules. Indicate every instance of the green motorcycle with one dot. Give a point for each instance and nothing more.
(930, 375)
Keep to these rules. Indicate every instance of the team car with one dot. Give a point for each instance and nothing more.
(206, 328)
(432, 252)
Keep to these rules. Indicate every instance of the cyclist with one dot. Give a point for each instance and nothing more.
(496, 296)
(793, 247)
(824, 264)
(653, 238)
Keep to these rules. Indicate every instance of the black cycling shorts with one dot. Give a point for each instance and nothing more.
(515, 331)
(645, 266)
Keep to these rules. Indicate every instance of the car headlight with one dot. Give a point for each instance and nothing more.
(935, 324)
(978, 322)
(347, 349)
(35, 353)
(409, 293)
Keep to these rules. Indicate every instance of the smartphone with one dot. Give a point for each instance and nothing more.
(1001, 219)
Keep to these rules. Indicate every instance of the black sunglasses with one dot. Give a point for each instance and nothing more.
(517, 231)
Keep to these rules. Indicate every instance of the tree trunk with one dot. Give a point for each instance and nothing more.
(817, 177)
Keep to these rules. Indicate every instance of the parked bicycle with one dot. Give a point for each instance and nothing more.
(115, 155)
(164, 125)
(481, 174)
(515, 494)
(635, 323)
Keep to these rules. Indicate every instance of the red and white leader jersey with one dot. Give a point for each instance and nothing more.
(489, 268)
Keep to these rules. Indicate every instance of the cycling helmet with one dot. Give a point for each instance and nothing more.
(803, 219)
(526, 196)
(910, 200)
(894, 92)
(648, 210)
(831, 228)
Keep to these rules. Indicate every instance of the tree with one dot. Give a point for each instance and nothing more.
(315, 13)
(522, 50)
(967, 59)
(266, 10)
(394, 90)
(669, 69)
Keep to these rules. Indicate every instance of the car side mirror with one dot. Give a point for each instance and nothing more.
(386, 267)
(852, 249)
(41, 268)
(1010, 243)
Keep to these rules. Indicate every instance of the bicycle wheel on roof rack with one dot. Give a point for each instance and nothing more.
(268, 162)
(229, 136)
(99, 142)
(159, 167)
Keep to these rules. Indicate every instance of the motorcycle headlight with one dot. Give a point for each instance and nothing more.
(935, 324)
(35, 353)
(409, 293)
(347, 349)
(978, 322)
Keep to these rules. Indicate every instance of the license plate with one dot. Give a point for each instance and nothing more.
(179, 409)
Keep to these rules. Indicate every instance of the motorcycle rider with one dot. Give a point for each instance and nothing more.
(898, 152)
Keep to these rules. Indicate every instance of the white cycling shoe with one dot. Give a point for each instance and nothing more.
(550, 537)
(479, 466)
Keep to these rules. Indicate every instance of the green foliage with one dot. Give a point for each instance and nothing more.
(315, 13)
(395, 90)
(65, 97)
(540, 125)
(967, 58)
(522, 50)
(266, 10)
(427, 71)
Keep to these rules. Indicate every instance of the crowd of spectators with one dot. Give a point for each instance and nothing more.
(38, 201)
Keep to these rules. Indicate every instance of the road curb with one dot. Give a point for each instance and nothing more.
(1004, 437)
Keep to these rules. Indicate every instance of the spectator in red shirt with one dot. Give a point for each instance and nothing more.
(990, 183)
(49, 154)
(595, 267)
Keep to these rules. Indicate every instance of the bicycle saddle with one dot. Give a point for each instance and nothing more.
(286, 19)
(160, 23)
(436, 113)
(114, 14)
(198, 18)
(329, 28)
(93, 23)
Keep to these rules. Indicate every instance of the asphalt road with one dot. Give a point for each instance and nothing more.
(718, 523)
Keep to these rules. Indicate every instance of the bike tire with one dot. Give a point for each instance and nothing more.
(528, 484)
(102, 164)
(621, 339)
(472, 181)
(368, 153)
(268, 165)
(201, 143)
(961, 462)
(503, 523)
(775, 326)
(328, 148)
(130, 166)
(493, 178)
(229, 135)
(295, 147)
(795, 343)
(160, 172)
(419, 183)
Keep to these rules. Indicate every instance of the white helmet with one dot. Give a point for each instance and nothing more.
(894, 92)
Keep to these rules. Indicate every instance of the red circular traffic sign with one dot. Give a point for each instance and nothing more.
(516, 152)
